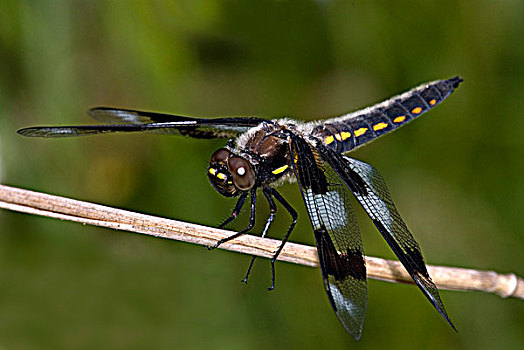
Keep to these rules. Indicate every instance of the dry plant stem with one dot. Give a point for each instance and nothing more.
(452, 278)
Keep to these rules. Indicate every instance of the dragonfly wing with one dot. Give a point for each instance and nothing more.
(337, 235)
(371, 191)
(126, 120)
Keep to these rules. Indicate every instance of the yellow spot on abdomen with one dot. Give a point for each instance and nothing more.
(221, 176)
(360, 132)
(379, 126)
(212, 171)
(329, 139)
(399, 119)
(345, 135)
(279, 170)
(416, 110)
(432, 102)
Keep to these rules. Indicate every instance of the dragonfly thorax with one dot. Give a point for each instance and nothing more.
(230, 174)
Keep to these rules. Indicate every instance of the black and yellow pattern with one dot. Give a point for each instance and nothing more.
(347, 132)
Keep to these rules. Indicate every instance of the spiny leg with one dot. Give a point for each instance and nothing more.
(273, 210)
(294, 216)
(251, 220)
(236, 211)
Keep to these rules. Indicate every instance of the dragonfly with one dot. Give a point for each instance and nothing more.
(261, 154)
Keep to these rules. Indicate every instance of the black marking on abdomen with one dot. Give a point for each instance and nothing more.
(397, 114)
(415, 105)
(384, 117)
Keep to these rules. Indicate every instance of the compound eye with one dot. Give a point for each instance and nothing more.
(242, 173)
(220, 156)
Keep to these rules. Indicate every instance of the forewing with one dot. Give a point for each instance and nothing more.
(371, 191)
(337, 235)
(124, 120)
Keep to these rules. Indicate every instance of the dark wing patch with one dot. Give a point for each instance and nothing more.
(337, 235)
(126, 120)
(374, 197)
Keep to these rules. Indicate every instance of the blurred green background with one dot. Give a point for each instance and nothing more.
(456, 174)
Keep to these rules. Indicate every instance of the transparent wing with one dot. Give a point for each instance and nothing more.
(371, 191)
(337, 235)
(125, 120)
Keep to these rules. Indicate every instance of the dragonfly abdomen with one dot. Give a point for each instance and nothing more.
(352, 130)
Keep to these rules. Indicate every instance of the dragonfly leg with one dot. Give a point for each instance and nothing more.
(251, 220)
(273, 210)
(294, 216)
(236, 211)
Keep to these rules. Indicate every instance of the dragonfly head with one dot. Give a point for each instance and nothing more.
(230, 174)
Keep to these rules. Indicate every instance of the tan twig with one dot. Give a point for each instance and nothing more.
(505, 285)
